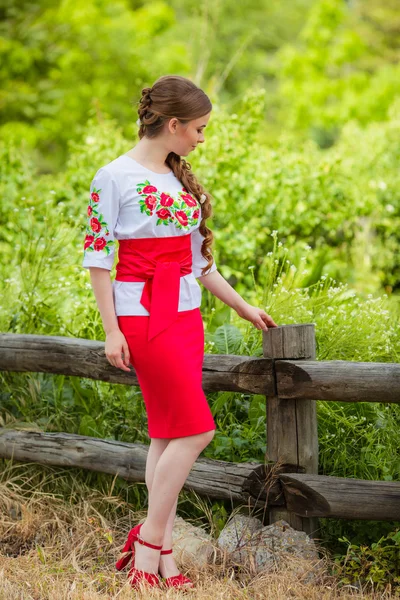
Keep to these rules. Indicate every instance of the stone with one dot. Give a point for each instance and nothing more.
(192, 543)
(237, 533)
(266, 548)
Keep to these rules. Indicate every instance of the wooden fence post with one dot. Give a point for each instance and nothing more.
(292, 435)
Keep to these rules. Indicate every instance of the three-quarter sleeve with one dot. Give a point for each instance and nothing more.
(102, 215)
(198, 260)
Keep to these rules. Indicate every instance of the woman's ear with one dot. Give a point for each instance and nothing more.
(173, 125)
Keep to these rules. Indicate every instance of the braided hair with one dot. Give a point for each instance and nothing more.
(175, 96)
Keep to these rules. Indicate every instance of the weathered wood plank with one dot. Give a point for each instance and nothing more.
(292, 435)
(303, 495)
(339, 497)
(342, 380)
(239, 482)
(345, 381)
(85, 358)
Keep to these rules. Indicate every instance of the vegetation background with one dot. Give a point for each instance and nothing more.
(301, 157)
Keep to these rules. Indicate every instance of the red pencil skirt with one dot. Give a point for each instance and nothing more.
(169, 371)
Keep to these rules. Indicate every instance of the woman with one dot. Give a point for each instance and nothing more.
(150, 201)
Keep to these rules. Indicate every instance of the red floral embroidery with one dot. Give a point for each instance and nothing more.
(182, 217)
(100, 243)
(96, 228)
(163, 213)
(151, 202)
(168, 208)
(190, 201)
(88, 241)
(166, 200)
(149, 189)
(95, 225)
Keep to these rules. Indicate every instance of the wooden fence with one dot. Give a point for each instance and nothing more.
(287, 484)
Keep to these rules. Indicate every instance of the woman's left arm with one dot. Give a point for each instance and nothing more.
(218, 286)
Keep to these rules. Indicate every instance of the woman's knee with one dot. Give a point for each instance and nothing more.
(203, 439)
(196, 442)
(209, 436)
(159, 444)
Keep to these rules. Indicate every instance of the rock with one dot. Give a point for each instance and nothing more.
(237, 533)
(192, 543)
(261, 549)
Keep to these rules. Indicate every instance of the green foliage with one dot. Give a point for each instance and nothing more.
(377, 565)
(344, 203)
(65, 62)
(237, 40)
(337, 72)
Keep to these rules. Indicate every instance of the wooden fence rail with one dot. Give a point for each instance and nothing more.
(332, 380)
(251, 483)
(291, 379)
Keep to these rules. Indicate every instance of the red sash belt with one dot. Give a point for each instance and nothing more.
(160, 262)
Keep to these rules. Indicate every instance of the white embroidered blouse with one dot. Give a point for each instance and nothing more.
(127, 200)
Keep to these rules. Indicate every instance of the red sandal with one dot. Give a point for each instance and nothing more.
(179, 581)
(136, 576)
(129, 548)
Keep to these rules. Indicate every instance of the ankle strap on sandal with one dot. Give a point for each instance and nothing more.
(142, 541)
(166, 551)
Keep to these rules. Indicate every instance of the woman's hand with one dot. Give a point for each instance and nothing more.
(116, 344)
(257, 316)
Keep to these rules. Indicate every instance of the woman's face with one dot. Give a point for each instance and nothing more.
(185, 138)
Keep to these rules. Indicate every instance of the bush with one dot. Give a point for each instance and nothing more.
(377, 565)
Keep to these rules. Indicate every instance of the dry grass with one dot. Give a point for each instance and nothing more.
(58, 549)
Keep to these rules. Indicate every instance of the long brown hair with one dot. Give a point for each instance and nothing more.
(175, 96)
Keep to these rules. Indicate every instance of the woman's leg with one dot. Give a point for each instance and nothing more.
(167, 564)
(170, 473)
(156, 448)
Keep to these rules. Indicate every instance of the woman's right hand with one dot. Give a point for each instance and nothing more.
(116, 345)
